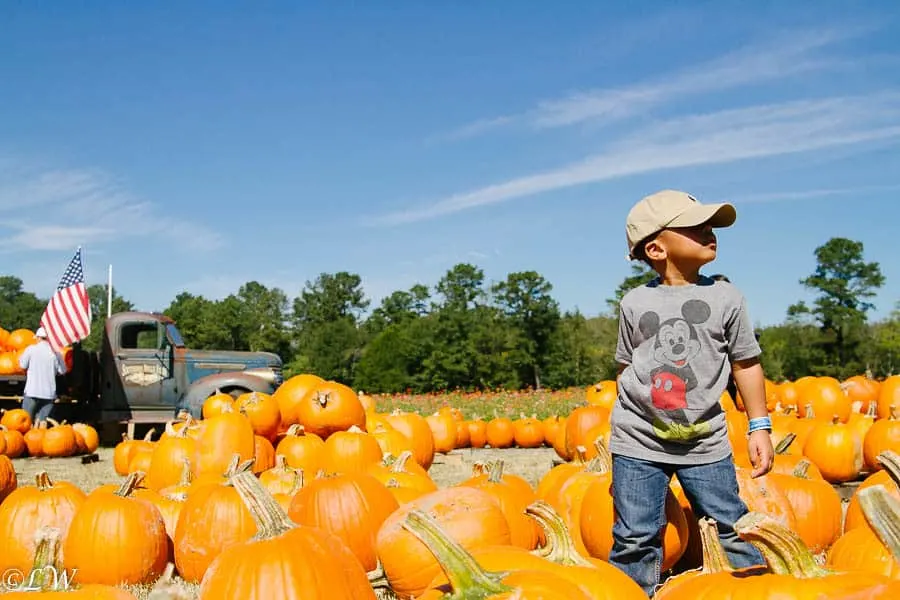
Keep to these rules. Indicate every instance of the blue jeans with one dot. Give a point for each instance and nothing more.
(639, 492)
(37, 408)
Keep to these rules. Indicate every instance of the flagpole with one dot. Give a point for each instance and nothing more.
(109, 291)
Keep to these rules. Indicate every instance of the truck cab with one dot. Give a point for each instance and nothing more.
(147, 374)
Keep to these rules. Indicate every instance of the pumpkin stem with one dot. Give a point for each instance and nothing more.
(782, 446)
(149, 436)
(603, 455)
(872, 410)
(271, 520)
(355, 429)
(495, 471)
(802, 469)
(46, 560)
(784, 551)
(559, 548)
(43, 482)
(295, 429)
(714, 558)
(131, 483)
(580, 457)
(280, 462)
(890, 460)
(322, 398)
(463, 572)
(399, 463)
(810, 413)
(882, 511)
(166, 588)
(835, 419)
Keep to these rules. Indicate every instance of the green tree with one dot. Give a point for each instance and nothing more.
(845, 284)
(526, 301)
(19, 309)
(327, 337)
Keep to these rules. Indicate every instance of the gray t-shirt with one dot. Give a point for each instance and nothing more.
(678, 343)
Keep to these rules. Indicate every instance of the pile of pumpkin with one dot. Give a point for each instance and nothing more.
(311, 492)
(12, 343)
(50, 438)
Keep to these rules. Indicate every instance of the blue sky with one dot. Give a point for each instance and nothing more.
(196, 147)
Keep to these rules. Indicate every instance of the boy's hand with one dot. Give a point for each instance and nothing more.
(762, 454)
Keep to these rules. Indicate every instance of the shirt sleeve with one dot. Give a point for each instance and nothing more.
(24, 358)
(625, 341)
(742, 342)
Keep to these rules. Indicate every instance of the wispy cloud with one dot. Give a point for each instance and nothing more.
(56, 210)
(783, 57)
(781, 196)
(694, 140)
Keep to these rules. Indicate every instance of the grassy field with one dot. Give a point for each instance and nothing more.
(488, 405)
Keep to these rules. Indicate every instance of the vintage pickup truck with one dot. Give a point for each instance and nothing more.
(143, 373)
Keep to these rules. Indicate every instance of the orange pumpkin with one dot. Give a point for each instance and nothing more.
(212, 519)
(350, 451)
(302, 449)
(836, 450)
(331, 407)
(443, 430)
(283, 560)
(500, 433)
(472, 517)
(884, 434)
(220, 438)
(28, 508)
(117, 539)
(352, 506)
(292, 393)
(8, 480)
(415, 427)
(16, 419)
(262, 411)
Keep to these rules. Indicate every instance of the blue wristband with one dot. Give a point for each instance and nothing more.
(760, 423)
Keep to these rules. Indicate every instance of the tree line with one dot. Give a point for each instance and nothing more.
(464, 333)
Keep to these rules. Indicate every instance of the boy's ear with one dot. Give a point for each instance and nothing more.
(654, 250)
(649, 324)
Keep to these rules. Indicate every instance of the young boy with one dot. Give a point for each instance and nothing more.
(680, 337)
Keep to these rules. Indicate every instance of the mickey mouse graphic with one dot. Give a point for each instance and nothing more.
(675, 346)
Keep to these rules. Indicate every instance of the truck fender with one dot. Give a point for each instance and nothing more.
(201, 389)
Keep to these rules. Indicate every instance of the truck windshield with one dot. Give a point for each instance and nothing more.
(174, 335)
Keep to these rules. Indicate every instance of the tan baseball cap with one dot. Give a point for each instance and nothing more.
(671, 208)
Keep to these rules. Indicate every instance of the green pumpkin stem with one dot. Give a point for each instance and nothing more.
(882, 511)
(784, 551)
(890, 460)
(559, 548)
(468, 580)
(46, 565)
(602, 463)
(782, 446)
(271, 520)
(714, 558)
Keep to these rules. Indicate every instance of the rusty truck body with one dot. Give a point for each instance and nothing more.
(144, 373)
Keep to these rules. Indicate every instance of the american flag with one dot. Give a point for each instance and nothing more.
(67, 318)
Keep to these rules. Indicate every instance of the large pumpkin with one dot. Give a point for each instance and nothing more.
(115, 538)
(283, 560)
(27, 509)
(470, 515)
(352, 506)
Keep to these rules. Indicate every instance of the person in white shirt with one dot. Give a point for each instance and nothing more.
(41, 364)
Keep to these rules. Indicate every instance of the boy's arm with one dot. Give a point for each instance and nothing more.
(750, 382)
